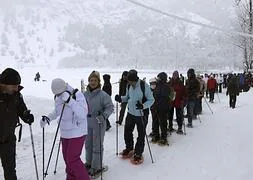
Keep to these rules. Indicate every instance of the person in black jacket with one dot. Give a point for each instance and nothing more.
(161, 109)
(12, 107)
(192, 91)
(108, 89)
(122, 92)
(232, 91)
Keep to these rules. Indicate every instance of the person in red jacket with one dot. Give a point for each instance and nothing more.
(211, 86)
(178, 103)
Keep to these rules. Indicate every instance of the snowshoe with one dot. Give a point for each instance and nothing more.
(180, 131)
(126, 153)
(96, 173)
(154, 140)
(136, 159)
(189, 125)
(163, 142)
(171, 129)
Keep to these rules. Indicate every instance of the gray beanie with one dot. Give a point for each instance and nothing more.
(58, 86)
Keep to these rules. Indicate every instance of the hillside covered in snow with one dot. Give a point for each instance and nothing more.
(75, 33)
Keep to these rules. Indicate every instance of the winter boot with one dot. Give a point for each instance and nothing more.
(189, 125)
(137, 159)
(127, 153)
(155, 139)
(171, 129)
(95, 173)
(163, 142)
(180, 131)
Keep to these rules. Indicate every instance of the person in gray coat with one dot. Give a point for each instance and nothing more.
(100, 108)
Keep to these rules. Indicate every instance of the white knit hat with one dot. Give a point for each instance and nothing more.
(58, 86)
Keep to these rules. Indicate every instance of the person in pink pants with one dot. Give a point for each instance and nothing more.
(71, 107)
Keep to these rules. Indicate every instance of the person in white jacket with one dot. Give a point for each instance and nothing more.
(71, 107)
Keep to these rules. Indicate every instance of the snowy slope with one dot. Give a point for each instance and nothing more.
(56, 33)
(218, 148)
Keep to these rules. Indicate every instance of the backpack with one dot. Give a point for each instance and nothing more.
(73, 94)
(144, 99)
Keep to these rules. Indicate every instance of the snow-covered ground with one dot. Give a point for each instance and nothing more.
(218, 148)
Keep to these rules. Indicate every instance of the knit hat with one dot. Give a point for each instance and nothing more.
(175, 74)
(125, 73)
(94, 74)
(132, 75)
(152, 81)
(191, 71)
(106, 77)
(162, 76)
(10, 77)
(58, 86)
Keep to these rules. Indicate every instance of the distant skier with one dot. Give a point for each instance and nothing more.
(37, 77)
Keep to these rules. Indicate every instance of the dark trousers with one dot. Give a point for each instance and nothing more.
(8, 159)
(211, 94)
(141, 123)
(122, 111)
(190, 109)
(160, 121)
(232, 101)
(179, 116)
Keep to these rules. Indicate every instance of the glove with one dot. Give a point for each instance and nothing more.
(44, 120)
(139, 105)
(65, 97)
(227, 93)
(118, 98)
(28, 117)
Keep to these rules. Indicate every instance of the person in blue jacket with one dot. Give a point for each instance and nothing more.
(138, 103)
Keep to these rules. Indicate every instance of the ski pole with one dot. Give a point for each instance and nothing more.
(184, 127)
(43, 152)
(182, 116)
(117, 129)
(57, 157)
(199, 118)
(142, 119)
(56, 133)
(100, 146)
(34, 156)
(208, 105)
